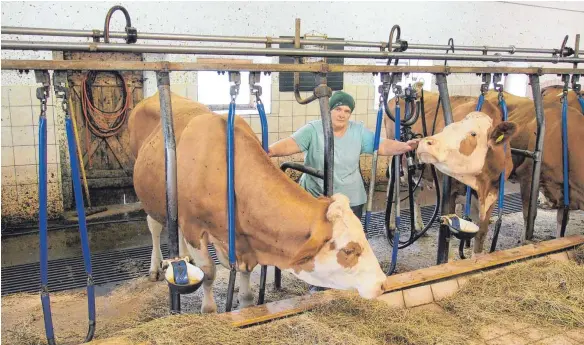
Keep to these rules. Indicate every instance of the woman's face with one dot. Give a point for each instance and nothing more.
(340, 116)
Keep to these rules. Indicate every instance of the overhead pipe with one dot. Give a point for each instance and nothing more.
(247, 51)
(14, 30)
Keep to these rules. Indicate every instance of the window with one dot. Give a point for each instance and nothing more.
(410, 79)
(213, 91)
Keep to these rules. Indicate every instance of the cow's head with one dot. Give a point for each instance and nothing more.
(472, 151)
(340, 258)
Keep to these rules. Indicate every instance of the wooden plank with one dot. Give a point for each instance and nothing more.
(278, 309)
(194, 66)
(491, 260)
(95, 173)
(126, 161)
(94, 146)
(297, 305)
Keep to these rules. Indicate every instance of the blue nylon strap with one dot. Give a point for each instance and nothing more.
(565, 150)
(43, 227)
(230, 182)
(378, 128)
(81, 216)
(503, 106)
(264, 122)
(581, 101)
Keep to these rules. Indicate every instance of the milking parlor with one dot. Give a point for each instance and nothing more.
(292, 172)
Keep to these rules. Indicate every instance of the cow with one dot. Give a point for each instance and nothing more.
(521, 111)
(278, 223)
(553, 93)
(431, 113)
(551, 176)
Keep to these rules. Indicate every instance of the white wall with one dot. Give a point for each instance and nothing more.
(469, 23)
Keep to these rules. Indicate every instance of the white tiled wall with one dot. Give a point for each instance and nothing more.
(20, 113)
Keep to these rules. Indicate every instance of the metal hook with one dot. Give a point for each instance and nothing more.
(132, 34)
(563, 46)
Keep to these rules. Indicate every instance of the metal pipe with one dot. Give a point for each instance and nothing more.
(524, 153)
(163, 79)
(539, 115)
(324, 92)
(248, 51)
(70, 65)
(13, 30)
(302, 168)
(444, 232)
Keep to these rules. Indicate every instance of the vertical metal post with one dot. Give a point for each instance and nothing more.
(323, 92)
(163, 80)
(444, 232)
(537, 155)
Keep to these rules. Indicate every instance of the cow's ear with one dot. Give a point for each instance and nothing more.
(308, 251)
(502, 133)
(319, 236)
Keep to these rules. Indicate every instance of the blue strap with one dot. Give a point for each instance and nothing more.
(43, 228)
(231, 182)
(378, 128)
(565, 149)
(502, 178)
(581, 101)
(78, 192)
(468, 190)
(264, 122)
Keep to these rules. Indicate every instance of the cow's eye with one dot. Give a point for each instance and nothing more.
(474, 134)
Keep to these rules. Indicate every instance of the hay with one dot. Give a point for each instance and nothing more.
(544, 292)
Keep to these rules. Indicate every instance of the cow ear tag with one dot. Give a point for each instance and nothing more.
(500, 138)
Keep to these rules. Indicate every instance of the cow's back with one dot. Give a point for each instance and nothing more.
(147, 143)
(145, 117)
(552, 171)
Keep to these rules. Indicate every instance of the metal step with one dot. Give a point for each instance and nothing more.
(108, 267)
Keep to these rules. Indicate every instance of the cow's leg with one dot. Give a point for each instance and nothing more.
(479, 240)
(156, 257)
(245, 295)
(182, 248)
(559, 218)
(204, 261)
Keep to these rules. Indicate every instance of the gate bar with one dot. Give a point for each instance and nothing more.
(246, 51)
(14, 30)
(71, 65)
(163, 79)
(444, 232)
(537, 156)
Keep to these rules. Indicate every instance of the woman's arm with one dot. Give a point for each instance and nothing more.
(284, 147)
(390, 147)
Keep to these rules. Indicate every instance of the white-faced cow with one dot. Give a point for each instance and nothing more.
(277, 222)
(470, 150)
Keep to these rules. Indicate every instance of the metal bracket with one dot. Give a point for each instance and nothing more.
(234, 77)
(254, 80)
(575, 83)
(486, 78)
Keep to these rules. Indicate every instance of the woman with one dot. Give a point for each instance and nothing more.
(351, 140)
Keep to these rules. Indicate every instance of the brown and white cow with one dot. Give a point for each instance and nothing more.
(554, 93)
(277, 222)
(551, 176)
(473, 151)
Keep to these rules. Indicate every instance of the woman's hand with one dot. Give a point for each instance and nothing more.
(390, 147)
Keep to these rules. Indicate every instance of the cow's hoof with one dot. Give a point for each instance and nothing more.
(246, 301)
(154, 276)
(209, 308)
